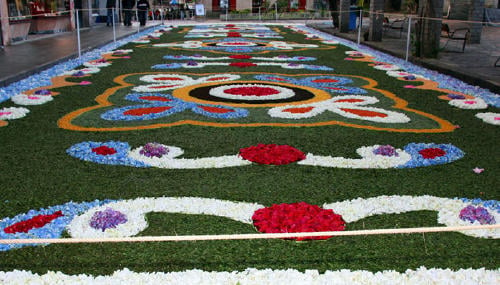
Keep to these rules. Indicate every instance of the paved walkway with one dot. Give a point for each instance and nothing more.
(475, 66)
(34, 55)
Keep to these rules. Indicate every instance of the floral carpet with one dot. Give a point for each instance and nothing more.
(229, 129)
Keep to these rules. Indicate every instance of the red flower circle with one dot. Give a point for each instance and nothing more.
(272, 154)
(431, 153)
(104, 150)
(297, 217)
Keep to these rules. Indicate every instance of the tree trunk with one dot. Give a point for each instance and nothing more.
(429, 30)
(376, 20)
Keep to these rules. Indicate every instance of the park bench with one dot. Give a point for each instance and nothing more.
(397, 24)
(459, 35)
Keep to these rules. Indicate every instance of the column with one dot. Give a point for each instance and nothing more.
(4, 15)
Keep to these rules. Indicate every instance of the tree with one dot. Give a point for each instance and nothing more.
(428, 28)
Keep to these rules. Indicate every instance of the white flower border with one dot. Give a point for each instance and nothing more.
(12, 113)
(489, 118)
(252, 276)
(368, 160)
(351, 211)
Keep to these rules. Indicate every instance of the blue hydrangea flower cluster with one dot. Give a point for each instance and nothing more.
(493, 205)
(109, 218)
(452, 153)
(84, 152)
(53, 229)
(175, 106)
(333, 84)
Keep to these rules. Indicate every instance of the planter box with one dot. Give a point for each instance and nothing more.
(19, 29)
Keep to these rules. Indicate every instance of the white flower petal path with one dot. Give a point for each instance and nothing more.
(12, 113)
(368, 160)
(135, 211)
(351, 211)
(490, 118)
(253, 276)
(25, 100)
(448, 210)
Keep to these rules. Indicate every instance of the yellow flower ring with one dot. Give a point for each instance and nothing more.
(66, 122)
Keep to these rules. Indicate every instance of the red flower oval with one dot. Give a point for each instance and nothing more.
(240, 56)
(431, 153)
(145, 111)
(297, 217)
(35, 222)
(104, 150)
(252, 91)
(242, 64)
(216, 109)
(272, 154)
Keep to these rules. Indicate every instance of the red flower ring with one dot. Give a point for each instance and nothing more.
(272, 154)
(297, 217)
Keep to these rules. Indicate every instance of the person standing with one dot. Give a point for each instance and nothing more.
(142, 7)
(110, 5)
(127, 6)
(183, 11)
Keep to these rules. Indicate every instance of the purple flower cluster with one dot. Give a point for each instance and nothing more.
(78, 74)
(480, 214)
(455, 96)
(106, 219)
(43, 92)
(385, 150)
(153, 149)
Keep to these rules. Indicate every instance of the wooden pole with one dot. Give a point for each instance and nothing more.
(251, 236)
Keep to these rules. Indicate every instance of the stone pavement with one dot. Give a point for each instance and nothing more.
(475, 66)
